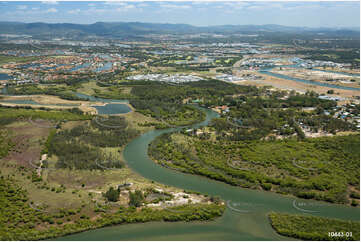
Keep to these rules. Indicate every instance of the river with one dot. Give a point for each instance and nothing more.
(244, 219)
(267, 71)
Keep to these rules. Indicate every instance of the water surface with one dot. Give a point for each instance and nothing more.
(267, 71)
(246, 221)
(113, 108)
(98, 99)
(4, 76)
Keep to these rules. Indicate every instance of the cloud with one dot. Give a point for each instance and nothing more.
(22, 7)
(51, 10)
(91, 5)
(74, 11)
(237, 5)
(199, 2)
(255, 7)
(114, 3)
(95, 11)
(173, 6)
(143, 5)
(125, 8)
(50, 2)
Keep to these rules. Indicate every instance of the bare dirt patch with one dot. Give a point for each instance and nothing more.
(297, 86)
(28, 143)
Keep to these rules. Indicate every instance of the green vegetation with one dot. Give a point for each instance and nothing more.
(212, 92)
(151, 195)
(227, 62)
(113, 92)
(112, 194)
(5, 59)
(167, 102)
(113, 131)
(48, 141)
(314, 228)
(5, 143)
(136, 198)
(157, 125)
(172, 114)
(338, 56)
(63, 92)
(20, 221)
(11, 114)
(277, 114)
(80, 147)
(317, 168)
(259, 140)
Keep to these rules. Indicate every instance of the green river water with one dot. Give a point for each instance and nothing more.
(244, 219)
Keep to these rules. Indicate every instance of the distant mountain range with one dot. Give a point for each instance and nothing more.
(121, 29)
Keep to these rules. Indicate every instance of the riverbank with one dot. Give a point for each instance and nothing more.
(319, 76)
(47, 101)
(289, 171)
(62, 201)
(250, 222)
(290, 85)
(247, 220)
(27, 231)
(340, 70)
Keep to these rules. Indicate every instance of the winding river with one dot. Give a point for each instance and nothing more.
(244, 219)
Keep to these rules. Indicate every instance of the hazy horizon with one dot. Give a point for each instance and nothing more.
(197, 13)
(291, 26)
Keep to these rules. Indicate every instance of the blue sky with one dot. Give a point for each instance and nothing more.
(199, 13)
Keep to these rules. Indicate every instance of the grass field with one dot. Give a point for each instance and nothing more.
(88, 88)
(4, 59)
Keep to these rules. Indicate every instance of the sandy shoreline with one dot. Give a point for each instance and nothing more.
(48, 101)
(319, 76)
(285, 84)
(54, 102)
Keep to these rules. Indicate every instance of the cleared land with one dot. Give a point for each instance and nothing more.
(293, 85)
(321, 76)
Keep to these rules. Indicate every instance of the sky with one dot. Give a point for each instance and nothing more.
(198, 13)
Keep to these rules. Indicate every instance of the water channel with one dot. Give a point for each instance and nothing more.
(267, 71)
(244, 219)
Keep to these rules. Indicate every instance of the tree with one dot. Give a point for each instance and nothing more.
(215, 199)
(112, 194)
(136, 199)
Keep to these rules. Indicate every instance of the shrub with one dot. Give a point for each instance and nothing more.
(136, 199)
(112, 194)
